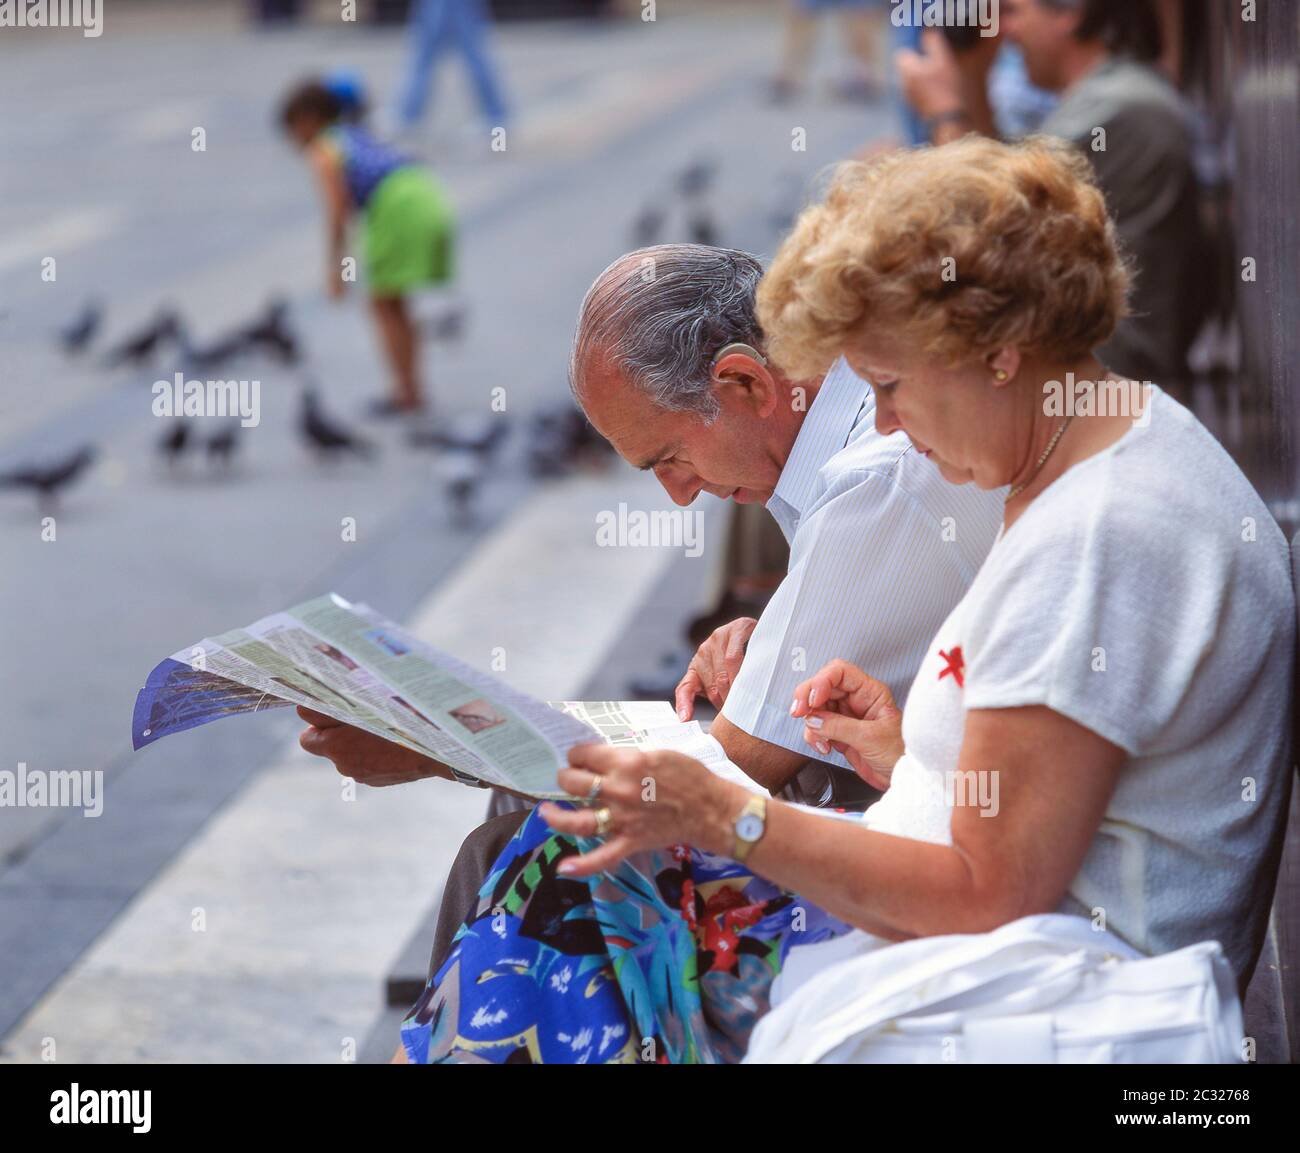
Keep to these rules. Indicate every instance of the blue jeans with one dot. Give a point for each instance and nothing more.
(914, 132)
(440, 24)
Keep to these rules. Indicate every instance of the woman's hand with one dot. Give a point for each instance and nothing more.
(649, 801)
(854, 714)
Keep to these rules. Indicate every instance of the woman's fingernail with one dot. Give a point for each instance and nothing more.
(681, 713)
(812, 697)
(794, 705)
(813, 722)
(822, 746)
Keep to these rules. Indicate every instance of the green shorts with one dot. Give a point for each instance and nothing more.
(410, 233)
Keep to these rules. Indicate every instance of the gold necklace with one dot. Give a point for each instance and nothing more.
(1016, 490)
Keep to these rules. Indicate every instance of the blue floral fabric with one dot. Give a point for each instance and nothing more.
(668, 958)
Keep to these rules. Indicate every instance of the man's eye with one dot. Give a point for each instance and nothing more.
(885, 385)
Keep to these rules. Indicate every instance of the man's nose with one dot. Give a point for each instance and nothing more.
(682, 487)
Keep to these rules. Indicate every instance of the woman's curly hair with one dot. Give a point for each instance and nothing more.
(961, 249)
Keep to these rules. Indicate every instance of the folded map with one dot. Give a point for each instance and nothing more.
(350, 663)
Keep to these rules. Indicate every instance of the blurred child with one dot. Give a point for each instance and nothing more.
(408, 226)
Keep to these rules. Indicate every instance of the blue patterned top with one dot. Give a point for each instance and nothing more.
(366, 159)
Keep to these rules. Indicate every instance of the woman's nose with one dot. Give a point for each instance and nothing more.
(886, 420)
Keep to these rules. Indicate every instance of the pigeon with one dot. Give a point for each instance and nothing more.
(448, 326)
(47, 480)
(648, 227)
(272, 333)
(222, 445)
(208, 358)
(175, 440)
(460, 472)
(561, 439)
(139, 348)
(324, 436)
(701, 228)
(80, 332)
(477, 433)
(788, 201)
(694, 180)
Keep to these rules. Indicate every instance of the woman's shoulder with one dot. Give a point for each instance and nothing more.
(1165, 484)
(1162, 513)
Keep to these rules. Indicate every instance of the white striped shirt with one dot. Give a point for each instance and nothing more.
(881, 550)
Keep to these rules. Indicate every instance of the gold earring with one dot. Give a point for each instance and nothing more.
(1001, 374)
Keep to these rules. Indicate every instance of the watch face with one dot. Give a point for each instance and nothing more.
(749, 827)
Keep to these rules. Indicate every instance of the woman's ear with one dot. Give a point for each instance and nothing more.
(1003, 364)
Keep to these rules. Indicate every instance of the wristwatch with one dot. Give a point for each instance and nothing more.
(749, 827)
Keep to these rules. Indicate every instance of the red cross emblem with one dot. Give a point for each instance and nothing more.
(956, 665)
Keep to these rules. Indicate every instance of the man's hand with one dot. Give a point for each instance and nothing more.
(364, 757)
(713, 669)
(931, 80)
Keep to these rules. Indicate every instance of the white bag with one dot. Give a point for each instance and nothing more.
(1044, 989)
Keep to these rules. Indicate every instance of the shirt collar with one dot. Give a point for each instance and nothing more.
(837, 409)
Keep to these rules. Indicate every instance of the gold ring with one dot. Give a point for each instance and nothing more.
(604, 818)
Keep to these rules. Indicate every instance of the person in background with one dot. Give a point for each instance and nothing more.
(436, 26)
(997, 95)
(350, 92)
(859, 22)
(1119, 109)
(407, 222)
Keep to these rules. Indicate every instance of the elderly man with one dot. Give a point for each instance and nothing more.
(668, 366)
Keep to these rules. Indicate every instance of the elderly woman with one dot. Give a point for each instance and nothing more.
(1100, 726)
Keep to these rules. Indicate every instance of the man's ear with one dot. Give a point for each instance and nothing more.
(747, 379)
(1003, 364)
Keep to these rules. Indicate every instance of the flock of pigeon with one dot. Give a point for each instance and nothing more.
(559, 437)
(465, 445)
(691, 186)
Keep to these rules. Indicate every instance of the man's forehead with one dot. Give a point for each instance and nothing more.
(625, 416)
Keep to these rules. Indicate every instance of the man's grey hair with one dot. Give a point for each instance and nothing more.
(662, 313)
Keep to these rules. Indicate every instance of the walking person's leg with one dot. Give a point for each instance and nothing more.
(798, 39)
(429, 27)
(470, 20)
(861, 23)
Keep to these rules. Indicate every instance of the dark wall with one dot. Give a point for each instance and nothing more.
(1261, 91)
